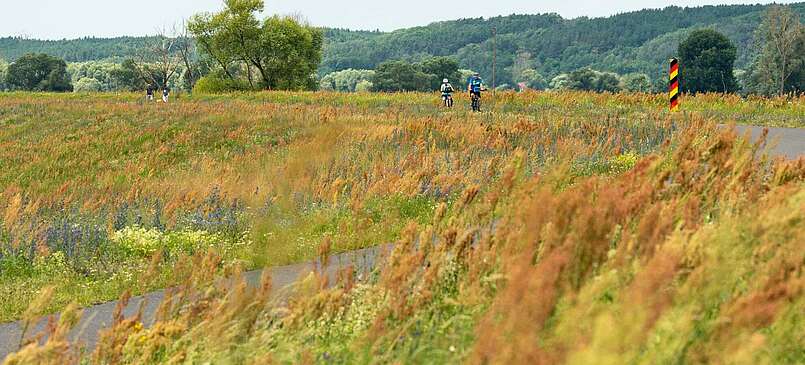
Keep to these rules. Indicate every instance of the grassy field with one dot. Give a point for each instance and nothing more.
(561, 228)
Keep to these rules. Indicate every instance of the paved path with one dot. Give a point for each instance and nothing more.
(99, 317)
(788, 142)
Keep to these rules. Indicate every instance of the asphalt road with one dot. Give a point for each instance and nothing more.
(788, 142)
(98, 317)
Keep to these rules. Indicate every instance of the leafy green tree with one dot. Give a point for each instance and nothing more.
(532, 79)
(636, 82)
(465, 75)
(441, 68)
(561, 82)
(39, 72)
(779, 68)
(283, 53)
(396, 76)
(100, 71)
(128, 77)
(88, 85)
(591, 80)
(3, 69)
(706, 62)
(345, 80)
(364, 86)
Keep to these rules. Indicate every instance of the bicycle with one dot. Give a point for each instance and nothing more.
(447, 100)
(476, 102)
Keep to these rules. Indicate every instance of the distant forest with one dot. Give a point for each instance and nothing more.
(640, 41)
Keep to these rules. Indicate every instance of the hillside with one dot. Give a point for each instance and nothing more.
(637, 41)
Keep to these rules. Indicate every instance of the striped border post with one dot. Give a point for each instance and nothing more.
(673, 87)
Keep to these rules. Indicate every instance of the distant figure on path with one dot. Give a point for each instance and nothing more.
(165, 93)
(149, 93)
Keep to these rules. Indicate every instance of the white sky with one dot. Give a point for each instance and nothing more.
(56, 19)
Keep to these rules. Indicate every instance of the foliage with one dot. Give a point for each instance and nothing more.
(706, 62)
(87, 85)
(640, 41)
(636, 82)
(3, 70)
(128, 76)
(561, 82)
(284, 53)
(779, 66)
(441, 68)
(591, 80)
(38, 72)
(364, 86)
(532, 79)
(345, 80)
(396, 76)
(104, 73)
(217, 84)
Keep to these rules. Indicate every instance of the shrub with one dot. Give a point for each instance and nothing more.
(214, 84)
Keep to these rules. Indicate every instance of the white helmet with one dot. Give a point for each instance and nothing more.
(445, 81)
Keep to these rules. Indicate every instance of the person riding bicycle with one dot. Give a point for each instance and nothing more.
(447, 93)
(474, 87)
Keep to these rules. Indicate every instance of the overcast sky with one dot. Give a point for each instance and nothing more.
(56, 19)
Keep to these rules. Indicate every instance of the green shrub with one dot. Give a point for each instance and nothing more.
(213, 84)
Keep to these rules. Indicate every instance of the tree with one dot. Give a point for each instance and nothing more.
(39, 72)
(187, 52)
(706, 62)
(465, 75)
(165, 60)
(440, 68)
(128, 76)
(395, 76)
(101, 71)
(3, 69)
(345, 80)
(364, 86)
(88, 85)
(561, 82)
(778, 67)
(522, 63)
(531, 79)
(636, 83)
(288, 54)
(282, 52)
(591, 80)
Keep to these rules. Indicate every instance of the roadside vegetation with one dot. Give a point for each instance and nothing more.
(561, 228)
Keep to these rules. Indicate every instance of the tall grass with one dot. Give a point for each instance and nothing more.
(549, 232)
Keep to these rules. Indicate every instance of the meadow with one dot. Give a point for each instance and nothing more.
(561, 228)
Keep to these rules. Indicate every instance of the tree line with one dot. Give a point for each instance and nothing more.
(235, 50)
(707, 65)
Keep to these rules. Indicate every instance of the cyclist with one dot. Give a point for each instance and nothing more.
(447, 93)
(474, 87)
